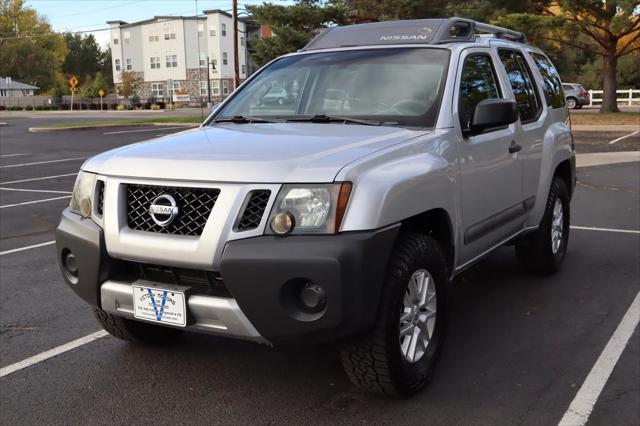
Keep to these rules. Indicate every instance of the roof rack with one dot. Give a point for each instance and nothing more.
(415, 31)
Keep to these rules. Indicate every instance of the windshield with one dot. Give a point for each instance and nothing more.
(392, 86)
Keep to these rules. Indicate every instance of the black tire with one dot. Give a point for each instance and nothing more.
(375, 361)
(535, 251)
(135, 331)
(578, 106)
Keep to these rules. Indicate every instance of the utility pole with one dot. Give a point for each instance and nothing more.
(236, 66)
(208, 82)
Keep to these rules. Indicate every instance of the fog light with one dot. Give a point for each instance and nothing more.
(313, 297)
(85, 207)
(283, 223)
(71, 264)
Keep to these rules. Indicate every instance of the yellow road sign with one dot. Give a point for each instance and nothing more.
(101, 92)
(73, 82)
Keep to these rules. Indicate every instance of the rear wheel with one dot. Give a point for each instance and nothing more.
(571, 103)
(135, 331)
(544, 250)
(398, 356)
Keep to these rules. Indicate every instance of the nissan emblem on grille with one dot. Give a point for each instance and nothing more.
(163, 210)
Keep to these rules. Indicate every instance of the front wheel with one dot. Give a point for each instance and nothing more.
(135, 331)
(543, 251)
(398, 356)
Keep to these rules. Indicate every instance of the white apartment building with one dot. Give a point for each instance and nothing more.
(171, 54)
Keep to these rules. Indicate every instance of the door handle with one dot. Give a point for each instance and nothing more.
(514, 147)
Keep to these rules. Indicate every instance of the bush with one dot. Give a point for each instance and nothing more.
(3, 108)
(15, 108)
(121, 107)
(154, 107)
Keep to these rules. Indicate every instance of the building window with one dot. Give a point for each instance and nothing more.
(223, 30)
(175, 87)
(215, 87)
(153, 37)
(202, 59)
(118, 67)
(115, 41)
(243, 69)
(157, 90)
(170, 36)
(155, 62)
(241, 41)
(224, 58)
(172, 61)
(200, 30)
(129, 64)
(225, 87)
(203, 88)
(127, 37)
(212, 33)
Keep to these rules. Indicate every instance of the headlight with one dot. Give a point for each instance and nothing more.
(309, 209)
(82, 197)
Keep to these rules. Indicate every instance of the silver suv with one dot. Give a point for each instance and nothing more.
(576, 95)
(407, 152)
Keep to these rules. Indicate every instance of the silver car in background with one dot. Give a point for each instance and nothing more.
(576, 95)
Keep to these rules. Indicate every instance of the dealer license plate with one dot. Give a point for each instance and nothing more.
(159, 305)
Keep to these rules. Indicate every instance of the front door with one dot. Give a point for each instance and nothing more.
(491, 174)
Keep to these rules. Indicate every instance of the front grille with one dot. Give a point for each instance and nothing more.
(100, 194)
(194, 207)
(201, 282)
(254, 210)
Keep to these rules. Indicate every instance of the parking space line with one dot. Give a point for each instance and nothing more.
(40, 178)
(50, 191)
(17, 250)
(42, 162)
(147, 130)
(12, 155)
(5, 371)
(34, 202)
(582, 405)
(622, 231)
(623, 137)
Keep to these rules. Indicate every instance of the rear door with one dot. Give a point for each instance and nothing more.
(534, 117)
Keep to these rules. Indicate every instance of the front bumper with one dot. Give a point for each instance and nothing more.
(261, 274)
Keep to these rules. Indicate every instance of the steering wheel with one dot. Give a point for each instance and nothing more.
(409, 105)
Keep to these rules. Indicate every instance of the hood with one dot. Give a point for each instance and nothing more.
(263, 153)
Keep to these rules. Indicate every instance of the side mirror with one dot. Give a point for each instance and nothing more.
(493, 113)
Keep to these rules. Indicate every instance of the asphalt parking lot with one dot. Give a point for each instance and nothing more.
(518, 350)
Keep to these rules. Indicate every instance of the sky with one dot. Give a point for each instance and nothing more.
(92, 15)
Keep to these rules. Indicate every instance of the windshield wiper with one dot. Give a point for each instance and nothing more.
(242, 119)
(322, 118)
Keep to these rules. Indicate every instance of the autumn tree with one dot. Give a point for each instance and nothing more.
(30, 51)
(608, 28)
(129, 84)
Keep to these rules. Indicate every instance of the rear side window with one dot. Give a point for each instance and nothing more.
(478, 82)
(522, 84)
(553, 87)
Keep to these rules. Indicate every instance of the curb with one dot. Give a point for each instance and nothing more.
(110, 126)
(605, 127)
(604, 158)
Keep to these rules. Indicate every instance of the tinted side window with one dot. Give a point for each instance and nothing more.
(478, 82)
(553, 87)
(522, 84)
